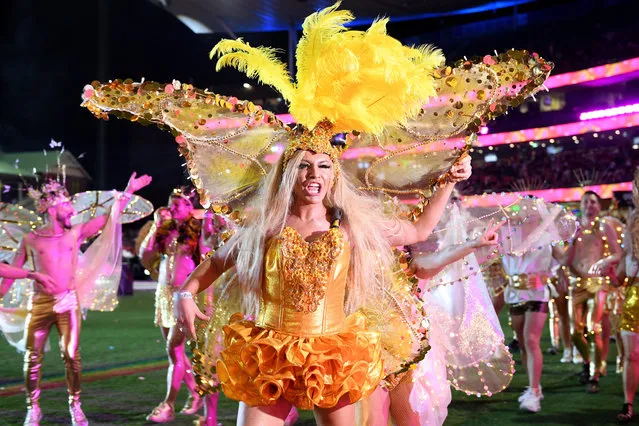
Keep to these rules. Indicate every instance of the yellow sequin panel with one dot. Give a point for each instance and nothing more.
(307, 266)
(630, 313)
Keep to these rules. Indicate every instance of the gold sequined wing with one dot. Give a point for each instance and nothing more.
(226, 142)
(407, 161)
(219, 302)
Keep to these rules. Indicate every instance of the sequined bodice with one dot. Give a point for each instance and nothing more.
(304, 283)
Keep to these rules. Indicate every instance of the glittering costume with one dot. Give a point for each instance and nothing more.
(64, 310)
(528, 275)
(167, 286)
(176, 240)
(629, 321)
(46, 311)
(301, 336)
(615, 297)
(585, 291)
(496, 279)
(528, 264)
(373, 92)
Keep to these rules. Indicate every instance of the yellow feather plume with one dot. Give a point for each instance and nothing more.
(358, 80)
(318, 28)
(255, 62)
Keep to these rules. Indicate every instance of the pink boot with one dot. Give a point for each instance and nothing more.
(292, 417)
(210, 411)
(193, 405)
(163, 413)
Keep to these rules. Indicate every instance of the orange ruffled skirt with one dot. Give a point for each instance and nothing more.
(259, 366)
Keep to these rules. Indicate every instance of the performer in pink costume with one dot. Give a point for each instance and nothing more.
(55, 251)
(181, 243)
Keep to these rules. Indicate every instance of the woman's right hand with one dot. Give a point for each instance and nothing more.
(186, 311)
(490, 237)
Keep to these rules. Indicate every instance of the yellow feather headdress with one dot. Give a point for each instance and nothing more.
(405, 110)
(355, 80)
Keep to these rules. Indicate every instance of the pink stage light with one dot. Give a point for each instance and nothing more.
(561, 130)
(519, 136)
(550, 195)
(593, 74)
(609, 112)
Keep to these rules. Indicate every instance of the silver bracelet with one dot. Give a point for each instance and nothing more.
(185, 295)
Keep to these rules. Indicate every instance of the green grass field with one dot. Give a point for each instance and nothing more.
(126, 339)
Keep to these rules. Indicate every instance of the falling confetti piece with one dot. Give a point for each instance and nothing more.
(111, 347)
(141, 378)
(81, 155)
(7, 188)
(54, 144)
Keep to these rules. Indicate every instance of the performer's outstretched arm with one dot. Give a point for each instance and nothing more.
(426, 266)
(404, 232)
(94, 226)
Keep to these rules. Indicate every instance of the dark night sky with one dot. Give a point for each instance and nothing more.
(50, 50)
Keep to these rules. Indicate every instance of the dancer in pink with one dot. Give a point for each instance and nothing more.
(180, 243)
(55, 251)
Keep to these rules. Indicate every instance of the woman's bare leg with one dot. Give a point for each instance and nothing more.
(273, 415)
(533, 327)
(343, 414)
(374, 410)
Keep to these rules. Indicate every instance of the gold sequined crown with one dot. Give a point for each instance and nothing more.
(318, 140)
(50, 194)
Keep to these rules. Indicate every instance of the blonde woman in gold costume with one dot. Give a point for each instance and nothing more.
(294, 215)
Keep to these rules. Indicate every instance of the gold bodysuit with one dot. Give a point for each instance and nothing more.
(302, 347)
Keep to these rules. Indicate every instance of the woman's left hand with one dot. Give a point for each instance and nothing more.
(461, 170)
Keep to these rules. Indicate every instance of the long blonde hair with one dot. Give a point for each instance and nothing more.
(363, 219)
